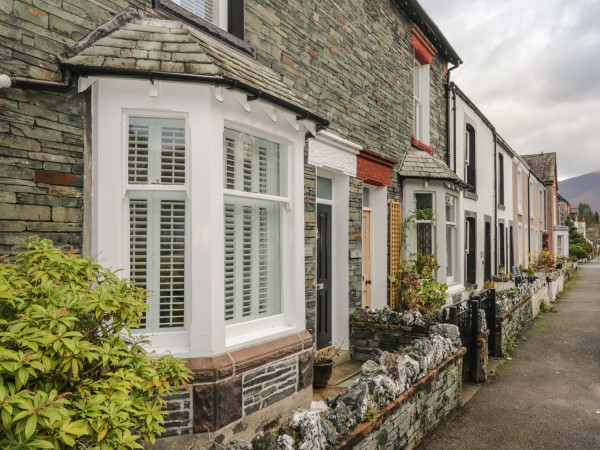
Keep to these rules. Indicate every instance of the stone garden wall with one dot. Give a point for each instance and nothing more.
(403, 423)
(373, 331)
(517, 306)
(369, 339)
(394, 402)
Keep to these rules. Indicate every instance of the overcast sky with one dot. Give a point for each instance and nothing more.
(533, 68)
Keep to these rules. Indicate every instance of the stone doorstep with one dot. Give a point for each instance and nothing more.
(338, 383)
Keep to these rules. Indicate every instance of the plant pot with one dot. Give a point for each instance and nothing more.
(322, 374)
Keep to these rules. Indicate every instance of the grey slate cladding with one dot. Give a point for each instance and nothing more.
(264, 386)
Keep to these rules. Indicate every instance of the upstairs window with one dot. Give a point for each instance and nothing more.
(470, 167)
(541, 205)
(501, 179)
(228, 15)
(424, 218)
(519, 192)
(418, 100)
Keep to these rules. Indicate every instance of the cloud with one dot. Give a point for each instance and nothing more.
(533, 69)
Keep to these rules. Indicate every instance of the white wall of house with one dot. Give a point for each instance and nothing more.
(483, 204)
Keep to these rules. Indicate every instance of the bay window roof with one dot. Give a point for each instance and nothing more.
(420, 164)
(136, 44)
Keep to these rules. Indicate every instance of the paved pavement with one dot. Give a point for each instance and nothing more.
(548, 395)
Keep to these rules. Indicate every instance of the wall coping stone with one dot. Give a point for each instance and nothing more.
(389, 326)
(218, 367)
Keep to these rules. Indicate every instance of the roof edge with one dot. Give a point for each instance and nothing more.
(416, 12)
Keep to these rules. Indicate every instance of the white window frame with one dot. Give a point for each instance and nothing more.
(418, 100)
(432, 222)
(219, 12)
(208, 114)
(452, 262)
(130, 190)
(237, 331)
(541, 205)
(519, 192)
(520, 243)
(421, 100)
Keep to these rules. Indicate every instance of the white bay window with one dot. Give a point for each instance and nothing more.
(200, 201)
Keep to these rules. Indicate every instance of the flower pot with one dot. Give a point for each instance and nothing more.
(322, 374)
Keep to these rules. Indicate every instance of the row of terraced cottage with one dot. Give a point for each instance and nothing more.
(261, 167)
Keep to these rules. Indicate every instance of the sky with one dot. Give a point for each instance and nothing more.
(533, 68)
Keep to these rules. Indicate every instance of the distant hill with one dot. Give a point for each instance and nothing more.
(582, 189)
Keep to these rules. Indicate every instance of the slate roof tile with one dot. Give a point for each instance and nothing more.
(420, 164)
(146, 42)
(543, 165)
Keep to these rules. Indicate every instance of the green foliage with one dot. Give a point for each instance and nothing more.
(417, 287)
(577, 251)
(545, 307)
(71, 373)
(370, 413)
(425, 214)
(511, 344)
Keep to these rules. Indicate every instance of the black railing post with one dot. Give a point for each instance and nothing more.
(453, 316)
(474, 357)
(491, 320)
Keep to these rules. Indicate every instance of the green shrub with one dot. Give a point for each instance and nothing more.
(71, 373)
(577, 251)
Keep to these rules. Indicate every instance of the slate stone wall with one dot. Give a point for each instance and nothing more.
(510, 327)
(42, 133)
(419, 413)
(179, 417)
(368, 340)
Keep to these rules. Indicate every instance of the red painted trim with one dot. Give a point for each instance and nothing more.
(421, 53)
(418, 144)
(424, 51)
(373, 168)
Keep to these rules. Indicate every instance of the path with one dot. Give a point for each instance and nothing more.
(548, 395)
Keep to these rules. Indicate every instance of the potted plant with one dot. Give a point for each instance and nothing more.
(323, 365)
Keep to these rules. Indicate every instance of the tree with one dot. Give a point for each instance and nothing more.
(585, 212)
(596, 218)
(71, 372)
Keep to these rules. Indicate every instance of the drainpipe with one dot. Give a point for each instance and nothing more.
(448, 89)
(7, 81)
(495, 201)
(529, 216)
(454, 125)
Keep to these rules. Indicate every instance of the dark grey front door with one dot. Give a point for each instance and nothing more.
(323, 275)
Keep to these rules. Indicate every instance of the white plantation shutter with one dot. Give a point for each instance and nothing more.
(252, 228)
(156, 151)
(138, 245)
(157, 225)
(172, 263)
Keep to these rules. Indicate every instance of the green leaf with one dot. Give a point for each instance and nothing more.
(30, 426)
(41, 444)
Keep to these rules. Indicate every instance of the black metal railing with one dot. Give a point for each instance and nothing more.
(488, 305)
(466, 315)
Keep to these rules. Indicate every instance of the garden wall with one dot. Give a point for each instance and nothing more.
(405, 421)
(368, 339)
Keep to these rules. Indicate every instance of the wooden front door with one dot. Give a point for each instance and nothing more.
(324, 336)
(366, 258)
